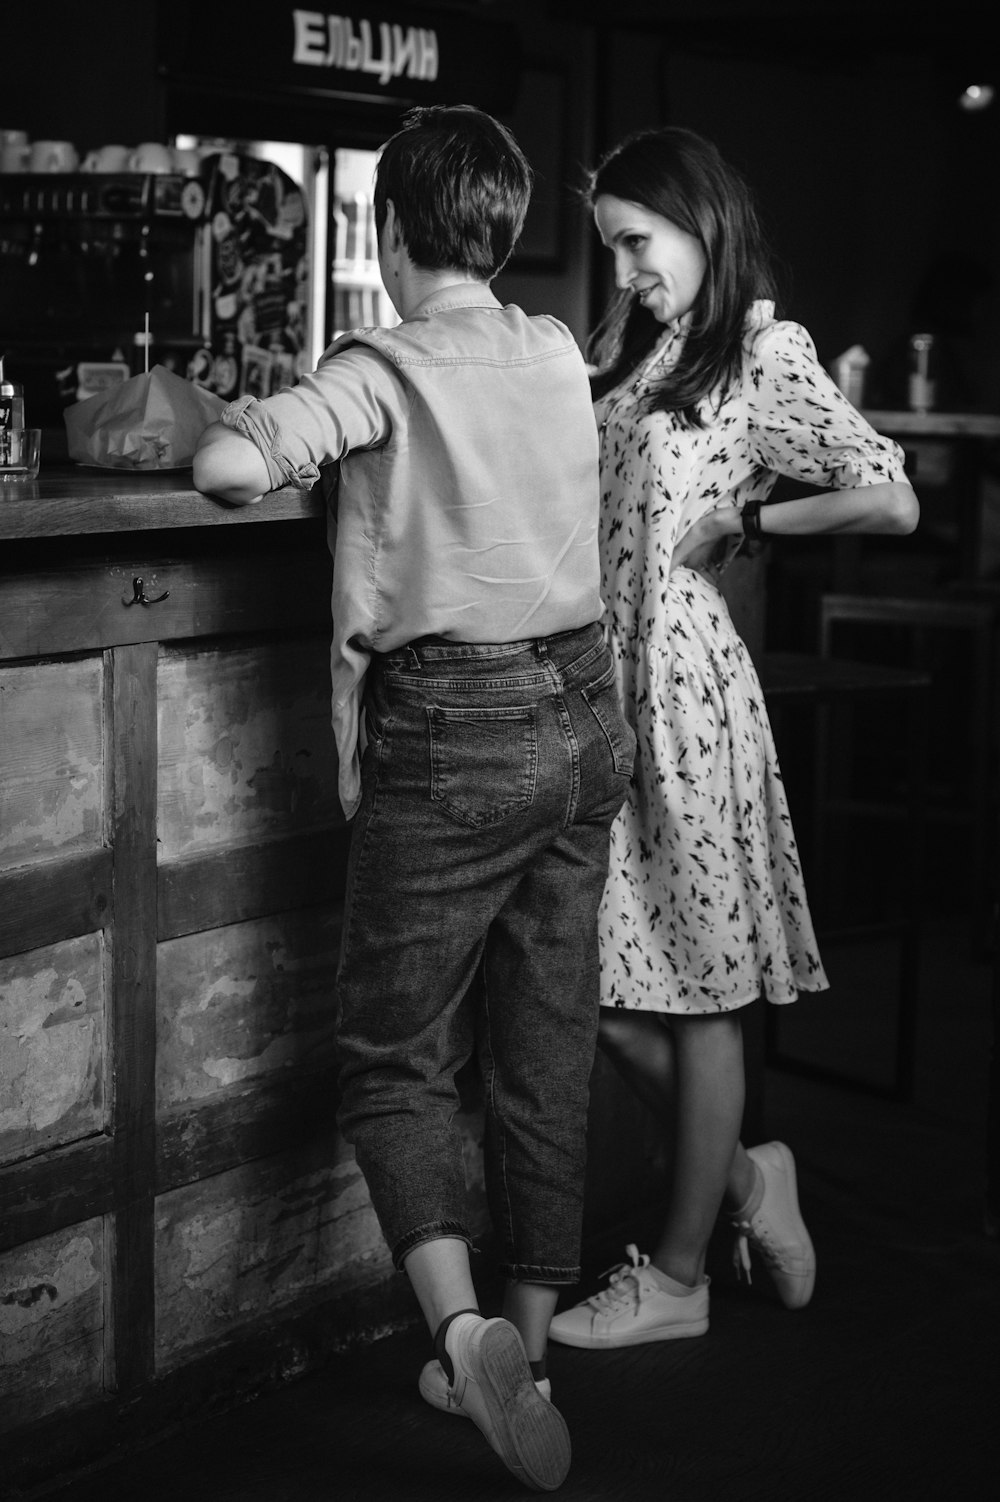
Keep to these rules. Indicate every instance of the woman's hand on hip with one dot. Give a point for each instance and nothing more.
(696, 548)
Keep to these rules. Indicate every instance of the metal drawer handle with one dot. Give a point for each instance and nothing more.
(139, 595)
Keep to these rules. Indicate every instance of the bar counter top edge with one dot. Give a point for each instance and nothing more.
(72, 500)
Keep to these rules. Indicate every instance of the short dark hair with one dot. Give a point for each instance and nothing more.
(460, 185)
(683, 177)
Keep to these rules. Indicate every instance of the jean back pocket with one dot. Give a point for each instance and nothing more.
(483, 762)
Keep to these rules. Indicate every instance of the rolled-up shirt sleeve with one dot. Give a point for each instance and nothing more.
(348, 403)
(802, 426)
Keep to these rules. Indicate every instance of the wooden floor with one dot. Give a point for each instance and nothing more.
(886, 1387)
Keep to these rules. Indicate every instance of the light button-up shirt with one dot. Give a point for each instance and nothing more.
(467, 504)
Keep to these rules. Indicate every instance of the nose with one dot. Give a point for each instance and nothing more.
(623, 269)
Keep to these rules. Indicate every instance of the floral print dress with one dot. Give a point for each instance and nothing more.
(705, 907)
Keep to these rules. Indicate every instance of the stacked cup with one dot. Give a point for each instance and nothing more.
(18, 154)
(14, 150)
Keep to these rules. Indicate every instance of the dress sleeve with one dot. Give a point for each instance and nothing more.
(801, 424)
(349, 402)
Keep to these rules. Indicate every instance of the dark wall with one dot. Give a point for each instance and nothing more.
(91, 77)
(866, 171)
(868, 177)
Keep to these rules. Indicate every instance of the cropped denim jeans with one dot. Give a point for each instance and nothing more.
(479, 853)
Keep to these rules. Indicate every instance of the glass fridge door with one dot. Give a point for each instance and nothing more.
(358, 299)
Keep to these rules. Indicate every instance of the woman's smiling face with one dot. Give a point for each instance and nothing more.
(661, 263)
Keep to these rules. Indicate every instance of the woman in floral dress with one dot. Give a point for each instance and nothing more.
(703, 398)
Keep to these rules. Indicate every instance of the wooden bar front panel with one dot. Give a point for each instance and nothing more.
(172, 861)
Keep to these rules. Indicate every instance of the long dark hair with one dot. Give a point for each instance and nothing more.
(684, 178)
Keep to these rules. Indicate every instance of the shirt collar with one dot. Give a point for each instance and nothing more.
(458, 295)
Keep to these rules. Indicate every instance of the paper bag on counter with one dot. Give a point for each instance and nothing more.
(153, 421)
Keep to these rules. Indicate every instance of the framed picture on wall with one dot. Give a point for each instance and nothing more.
(538, 121)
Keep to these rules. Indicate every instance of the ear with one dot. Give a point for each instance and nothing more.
(390, 230)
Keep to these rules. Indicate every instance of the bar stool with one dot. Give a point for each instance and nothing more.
(820, 687)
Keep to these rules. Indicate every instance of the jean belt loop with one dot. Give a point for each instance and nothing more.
(413, 657)
(541, 649)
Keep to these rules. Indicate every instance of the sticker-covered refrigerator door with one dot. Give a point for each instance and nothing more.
(256, 270)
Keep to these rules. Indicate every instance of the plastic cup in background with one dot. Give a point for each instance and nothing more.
(106, 159)
(150, 156)
(20, 453)
(53, 156)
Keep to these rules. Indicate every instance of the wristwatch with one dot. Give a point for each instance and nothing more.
(751, 522)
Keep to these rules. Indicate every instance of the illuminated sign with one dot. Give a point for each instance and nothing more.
(382, 48)
(391, 55)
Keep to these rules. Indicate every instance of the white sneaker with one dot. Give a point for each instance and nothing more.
(495, 1389)
(776, 1229)
(436, 1390)
(632, 1311)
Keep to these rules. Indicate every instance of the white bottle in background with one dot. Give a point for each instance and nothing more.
(922, 387)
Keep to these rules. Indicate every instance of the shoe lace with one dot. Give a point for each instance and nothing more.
(741, 1254)
(623, 1286)
(770, 1250)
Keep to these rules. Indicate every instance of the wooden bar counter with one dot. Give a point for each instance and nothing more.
(179, 1221)
(70, 500)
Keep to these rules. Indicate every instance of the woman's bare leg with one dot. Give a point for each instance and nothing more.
(530, 1307)
(709, 1091)
(641, 1047)
(688, 1072)
(441, 1277)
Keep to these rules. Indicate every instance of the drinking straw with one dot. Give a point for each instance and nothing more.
(145, 343)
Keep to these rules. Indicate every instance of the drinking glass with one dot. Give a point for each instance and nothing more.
(20, 450)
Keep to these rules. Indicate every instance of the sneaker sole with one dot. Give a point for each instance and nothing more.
(586, 1342)
(528, 1434)
(435, 1397)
